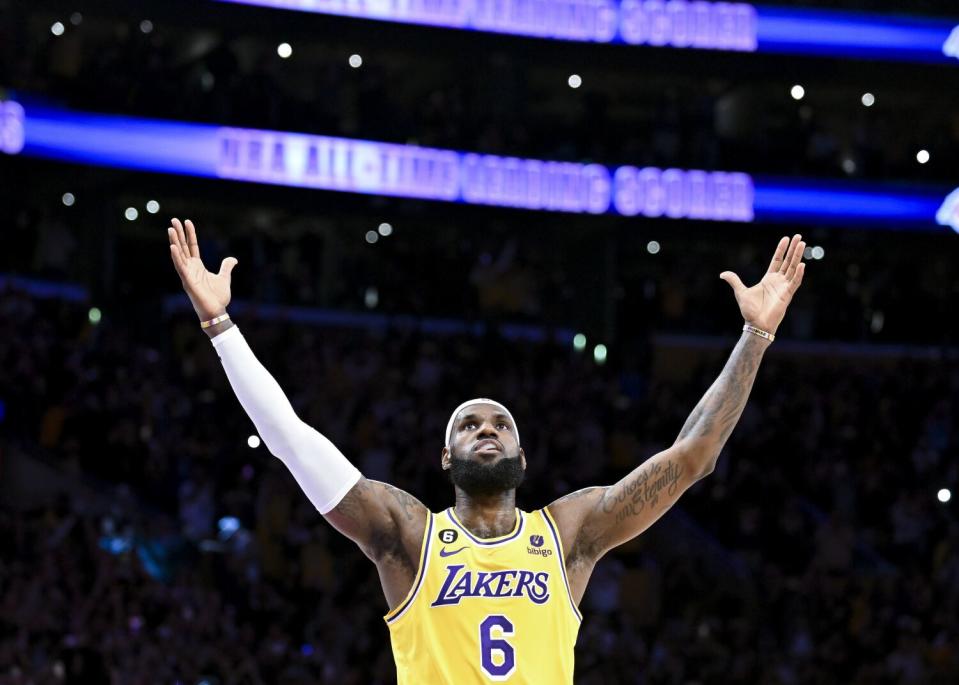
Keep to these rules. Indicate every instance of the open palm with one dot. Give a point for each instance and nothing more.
(209, 292)
(764, 304)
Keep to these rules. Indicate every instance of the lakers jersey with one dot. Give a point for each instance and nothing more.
(487, 610)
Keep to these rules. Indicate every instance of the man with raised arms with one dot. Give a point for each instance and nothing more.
(483, 591)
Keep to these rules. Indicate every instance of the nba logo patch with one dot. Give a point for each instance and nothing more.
(948, 214)
(536, 540)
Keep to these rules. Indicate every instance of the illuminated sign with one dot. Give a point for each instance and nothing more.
(362, 166)
(951, 48)
(698, 24)
(948, 214)
(11, 127)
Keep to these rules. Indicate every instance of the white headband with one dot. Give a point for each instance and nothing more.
(479, 400)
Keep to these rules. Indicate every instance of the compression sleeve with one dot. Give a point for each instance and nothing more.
(321, 470)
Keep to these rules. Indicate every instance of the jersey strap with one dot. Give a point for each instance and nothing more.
(553, 529)
(424, 562)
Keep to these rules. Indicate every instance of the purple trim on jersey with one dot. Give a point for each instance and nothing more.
(478, 541)
(419, 581)
(562, 563)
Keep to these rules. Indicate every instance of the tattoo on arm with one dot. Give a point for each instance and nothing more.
(718, 412)
(643, 490)
(409, 504)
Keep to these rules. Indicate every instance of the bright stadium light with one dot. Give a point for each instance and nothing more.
(57, 28)
(922, 156)
(385, 229)
(599, 354)
(653, 247)
(849, 165)
(797, 92)
(944, 495)
(94, 315)
(356, 61)
(253, 441)
(372, 237)
(818, 253)
(579, 342)
(153, 206)
(284, 50)
(575, 81)
(68, 199)
(868, 99)
(131, 213)
(146, 26)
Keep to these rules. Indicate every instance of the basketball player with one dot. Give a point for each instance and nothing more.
(483, 592)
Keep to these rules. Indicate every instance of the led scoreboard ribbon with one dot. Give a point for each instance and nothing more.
(734, 26)
(361, 166)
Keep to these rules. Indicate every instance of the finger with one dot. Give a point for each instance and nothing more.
(795, 261)
(226, 266)
(778, 255)
(172, 235)
(797, 279)
(191, 237)
(181, 236)
(733, 280)
(790, 252)
(179, 263)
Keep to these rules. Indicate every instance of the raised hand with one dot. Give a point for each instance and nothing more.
(764, 305)
(209, 292)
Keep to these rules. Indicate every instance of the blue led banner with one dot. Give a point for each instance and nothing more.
(361, 166)
(699, 24)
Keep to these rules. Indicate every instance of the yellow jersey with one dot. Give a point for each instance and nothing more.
(487, 610)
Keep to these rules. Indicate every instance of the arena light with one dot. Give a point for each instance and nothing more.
(356, 61)
(76, 18)
(797, 92)
(653, 247)
(868, 99)
(153, 206)
(94, 316)
(922, 156)
(131, 213)
(600, 353)
(678, 24)
(579, 342)
(284, 50)
(393, 170)
(253, 441)
(146, 26)
(385, 230)
(575, 80)
(57, 28)
(68, 199)
(944, 495)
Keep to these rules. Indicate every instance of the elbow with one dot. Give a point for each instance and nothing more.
(700, 458)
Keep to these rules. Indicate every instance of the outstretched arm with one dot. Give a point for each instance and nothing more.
(368, 512)
(598, 519)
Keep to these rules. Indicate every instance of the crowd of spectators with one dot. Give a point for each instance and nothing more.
(208, 565)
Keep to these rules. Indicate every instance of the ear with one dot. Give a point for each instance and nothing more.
(445, 459)
(522, 458)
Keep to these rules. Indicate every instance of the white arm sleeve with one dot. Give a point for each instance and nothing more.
(321, 470)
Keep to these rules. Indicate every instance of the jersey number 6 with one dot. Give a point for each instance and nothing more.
(490, 646)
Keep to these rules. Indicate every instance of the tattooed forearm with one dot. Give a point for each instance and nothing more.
(718, 412)
(352, 504)
(643, 490)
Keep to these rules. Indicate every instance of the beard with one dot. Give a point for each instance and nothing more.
(480, 480)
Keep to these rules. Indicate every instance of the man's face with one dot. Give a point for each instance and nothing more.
(483, 457)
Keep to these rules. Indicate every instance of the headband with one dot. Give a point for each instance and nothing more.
(479, 400)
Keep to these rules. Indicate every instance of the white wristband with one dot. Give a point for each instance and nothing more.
(321, 470)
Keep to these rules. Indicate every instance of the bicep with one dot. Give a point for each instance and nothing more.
(377, 516)
(633, 504)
